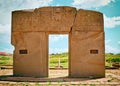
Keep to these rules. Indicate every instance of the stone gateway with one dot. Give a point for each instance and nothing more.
(30, 32)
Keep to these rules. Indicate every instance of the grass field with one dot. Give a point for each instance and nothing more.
(54, 59)
(6, 60)
(110, 58)
(111, 79)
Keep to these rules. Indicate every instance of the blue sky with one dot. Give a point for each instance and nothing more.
(110, 9)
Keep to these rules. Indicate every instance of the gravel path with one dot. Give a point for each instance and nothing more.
(60, 77)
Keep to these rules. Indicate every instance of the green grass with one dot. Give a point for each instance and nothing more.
(108, 64)
(53, 59)
(109, 59)
(6, 60)
(112, 57)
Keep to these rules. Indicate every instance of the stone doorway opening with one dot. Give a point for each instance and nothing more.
(58, 57)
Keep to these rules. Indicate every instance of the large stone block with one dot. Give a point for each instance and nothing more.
(30, 31)
(50, 19)
(30, 55)
(87, 20)
(87, 54)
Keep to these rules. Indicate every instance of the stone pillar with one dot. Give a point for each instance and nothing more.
(31, 45)
(87, 45)
(30, 55)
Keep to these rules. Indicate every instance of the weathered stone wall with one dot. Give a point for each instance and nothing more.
(35, 61)
(87, 45)
(30, 31)
(46, 19)
(83, 63)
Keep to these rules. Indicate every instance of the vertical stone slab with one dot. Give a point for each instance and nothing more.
(87, 57)
(30, 55)
(87, 54)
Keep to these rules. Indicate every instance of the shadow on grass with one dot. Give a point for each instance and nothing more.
(45, 79)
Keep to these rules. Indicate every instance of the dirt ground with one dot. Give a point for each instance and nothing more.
(59, 78)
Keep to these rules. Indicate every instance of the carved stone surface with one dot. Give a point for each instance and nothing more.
(30, 31)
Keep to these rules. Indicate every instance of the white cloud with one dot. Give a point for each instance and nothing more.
(5, 37)
(58, 5)
(111, 22)
(107, 41)
(5, 33)
(91, 3)
(118, 42)
(57, 37)
(9, 50)
(7, 6)
(57, 50)
(5, 29)
(110, 49)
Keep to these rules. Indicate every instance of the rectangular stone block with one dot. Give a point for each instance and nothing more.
(83, 62)
(50, 19)
(87, 20)
(32, 61)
